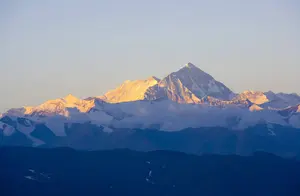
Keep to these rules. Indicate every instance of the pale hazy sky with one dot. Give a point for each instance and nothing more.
(50, 48)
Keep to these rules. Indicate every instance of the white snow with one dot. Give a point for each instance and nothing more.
(213, 88)
(37, 176)
(31, 170)
(27, 131)
(150, 173)
(172, 116)
(45, 175)
(30, 178)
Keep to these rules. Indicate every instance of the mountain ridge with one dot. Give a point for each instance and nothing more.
(186, 99)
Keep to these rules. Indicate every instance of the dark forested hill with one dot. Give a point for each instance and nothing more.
(63, 171)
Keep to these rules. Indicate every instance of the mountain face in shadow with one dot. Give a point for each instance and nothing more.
(279, 140)
(63, 171)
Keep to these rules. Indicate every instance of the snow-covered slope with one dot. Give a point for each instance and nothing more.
(255, 97)
(268, 99)
(11, 124)
(63, 106)
(281, 100)
(163, 114)
(130, 91)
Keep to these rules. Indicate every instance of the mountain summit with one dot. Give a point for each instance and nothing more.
(201, 84)
(187, 85)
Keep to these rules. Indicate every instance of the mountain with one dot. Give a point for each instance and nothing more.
(145, 114)
(187, 85)
(199, 83)
(64, 171)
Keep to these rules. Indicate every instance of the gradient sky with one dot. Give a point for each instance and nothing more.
(51, 48)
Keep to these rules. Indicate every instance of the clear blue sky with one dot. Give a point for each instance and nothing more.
(50, 48)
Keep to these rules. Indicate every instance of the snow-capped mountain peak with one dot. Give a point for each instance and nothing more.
(200, 83)
(256, 97)
(187, 85)
(71, 99)
(193, 70)
(190, 65)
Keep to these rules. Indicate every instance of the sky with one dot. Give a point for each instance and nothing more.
(52, 48)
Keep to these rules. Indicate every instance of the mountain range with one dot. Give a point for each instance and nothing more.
(185, 100)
